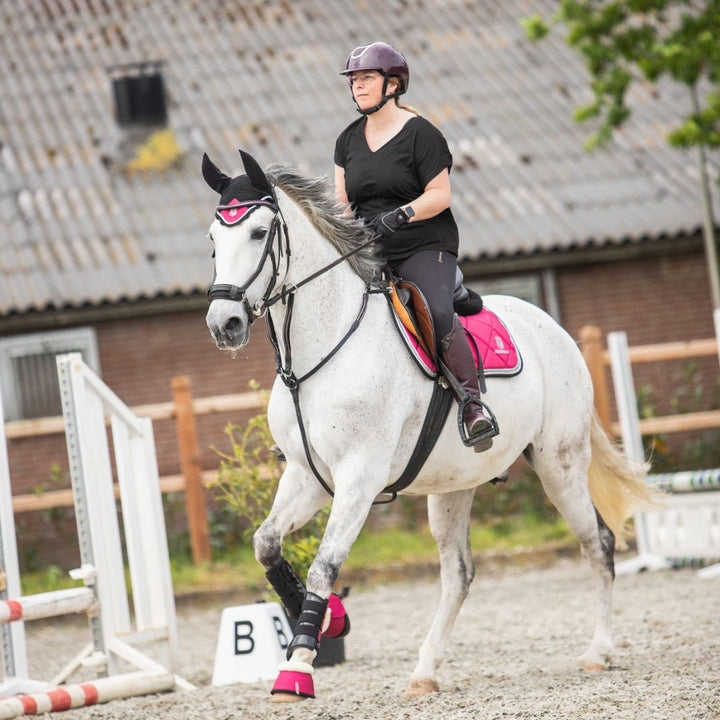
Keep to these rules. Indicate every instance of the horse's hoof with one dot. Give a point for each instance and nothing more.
(594, 667)
(294, 682)
(286, 698)
(421, 686)
(594, 661)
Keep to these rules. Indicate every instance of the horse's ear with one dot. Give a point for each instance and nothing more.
(255, 172)
(214, 177)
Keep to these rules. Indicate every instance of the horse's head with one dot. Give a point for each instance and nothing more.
(247, 240)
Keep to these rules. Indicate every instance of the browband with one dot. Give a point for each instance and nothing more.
(237, 211)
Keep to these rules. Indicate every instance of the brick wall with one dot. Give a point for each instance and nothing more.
(653, 300)
(138, 358)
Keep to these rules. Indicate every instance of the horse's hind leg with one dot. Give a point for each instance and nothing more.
(563, 471)
(449, 517)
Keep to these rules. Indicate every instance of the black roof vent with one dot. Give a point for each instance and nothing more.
(139, 93)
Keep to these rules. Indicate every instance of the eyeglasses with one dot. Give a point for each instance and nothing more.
(363, 77)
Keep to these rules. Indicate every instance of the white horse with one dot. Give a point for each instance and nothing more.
(279, 243)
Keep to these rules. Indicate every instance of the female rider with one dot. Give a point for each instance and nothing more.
(392, 166)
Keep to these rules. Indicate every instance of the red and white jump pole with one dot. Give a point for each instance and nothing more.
(88, 406)
(103, 690)
(48, 604)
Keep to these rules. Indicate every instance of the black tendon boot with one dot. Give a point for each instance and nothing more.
(289, 587)
(456, 355)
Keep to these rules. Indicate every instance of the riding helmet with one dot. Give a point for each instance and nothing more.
(381, 57)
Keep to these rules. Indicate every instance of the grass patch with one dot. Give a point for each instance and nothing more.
(395, 546)
(236, 567)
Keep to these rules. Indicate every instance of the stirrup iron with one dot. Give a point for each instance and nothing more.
(481, 437)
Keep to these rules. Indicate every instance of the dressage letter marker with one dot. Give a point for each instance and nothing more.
(251, 644)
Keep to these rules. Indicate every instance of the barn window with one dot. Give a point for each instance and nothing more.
(526, 287)
(139, 94)
(28, 374)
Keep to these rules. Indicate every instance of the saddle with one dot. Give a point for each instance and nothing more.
(493, 348)
(412, 310)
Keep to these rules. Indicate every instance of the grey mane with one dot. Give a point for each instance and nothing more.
(314, 196)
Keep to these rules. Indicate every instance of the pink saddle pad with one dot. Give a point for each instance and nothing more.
(488, 336)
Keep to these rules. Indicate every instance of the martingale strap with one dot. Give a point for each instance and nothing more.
(435, 417)
(283, 367)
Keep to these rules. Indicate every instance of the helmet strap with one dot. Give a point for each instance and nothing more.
(385, 98)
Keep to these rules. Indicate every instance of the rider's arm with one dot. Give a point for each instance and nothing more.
(434, 199)
(340, 191)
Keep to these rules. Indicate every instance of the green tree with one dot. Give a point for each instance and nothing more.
(624, 41)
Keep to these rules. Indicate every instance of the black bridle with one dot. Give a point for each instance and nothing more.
(283, 361)
(273, 250)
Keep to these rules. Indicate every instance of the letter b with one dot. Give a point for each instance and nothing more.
(282, 638)
(244, 643)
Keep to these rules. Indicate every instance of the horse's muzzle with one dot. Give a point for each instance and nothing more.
(229, 327)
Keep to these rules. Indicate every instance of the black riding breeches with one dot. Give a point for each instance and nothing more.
(433, 271)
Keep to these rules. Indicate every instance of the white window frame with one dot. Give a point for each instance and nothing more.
(82, 340)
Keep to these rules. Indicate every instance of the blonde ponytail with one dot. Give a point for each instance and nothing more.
(409, 108)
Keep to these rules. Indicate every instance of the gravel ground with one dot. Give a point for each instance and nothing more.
(511, 655)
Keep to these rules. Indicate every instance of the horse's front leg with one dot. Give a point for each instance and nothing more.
(449, 517)
(349, 511)
(298, 498)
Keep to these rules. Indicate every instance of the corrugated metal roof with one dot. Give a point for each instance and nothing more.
(78, 228)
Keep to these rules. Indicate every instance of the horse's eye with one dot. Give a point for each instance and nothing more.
(258, 233)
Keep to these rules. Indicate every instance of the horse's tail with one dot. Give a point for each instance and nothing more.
(617, 483)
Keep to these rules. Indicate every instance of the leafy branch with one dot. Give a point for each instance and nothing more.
(628, 41)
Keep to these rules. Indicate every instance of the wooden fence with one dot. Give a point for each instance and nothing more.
(598, 359)
(193, 480)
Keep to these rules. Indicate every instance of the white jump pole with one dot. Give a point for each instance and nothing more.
(48, 604)
(632, 443)
(86, 401)
(688, 526)
(13, 659)
(85, 694)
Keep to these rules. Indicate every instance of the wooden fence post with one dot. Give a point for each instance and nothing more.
(195, 503)
(592, 350)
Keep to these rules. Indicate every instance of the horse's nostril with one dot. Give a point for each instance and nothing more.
(232, 326)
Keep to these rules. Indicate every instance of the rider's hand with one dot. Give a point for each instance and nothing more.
(387, 223)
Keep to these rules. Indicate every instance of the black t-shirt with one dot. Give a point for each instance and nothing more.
(394, 175)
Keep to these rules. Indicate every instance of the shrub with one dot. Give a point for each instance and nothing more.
(247, 481)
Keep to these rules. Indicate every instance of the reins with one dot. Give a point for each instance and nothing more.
(437, 412)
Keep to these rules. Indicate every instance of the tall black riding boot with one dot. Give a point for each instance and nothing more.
(456, 354)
